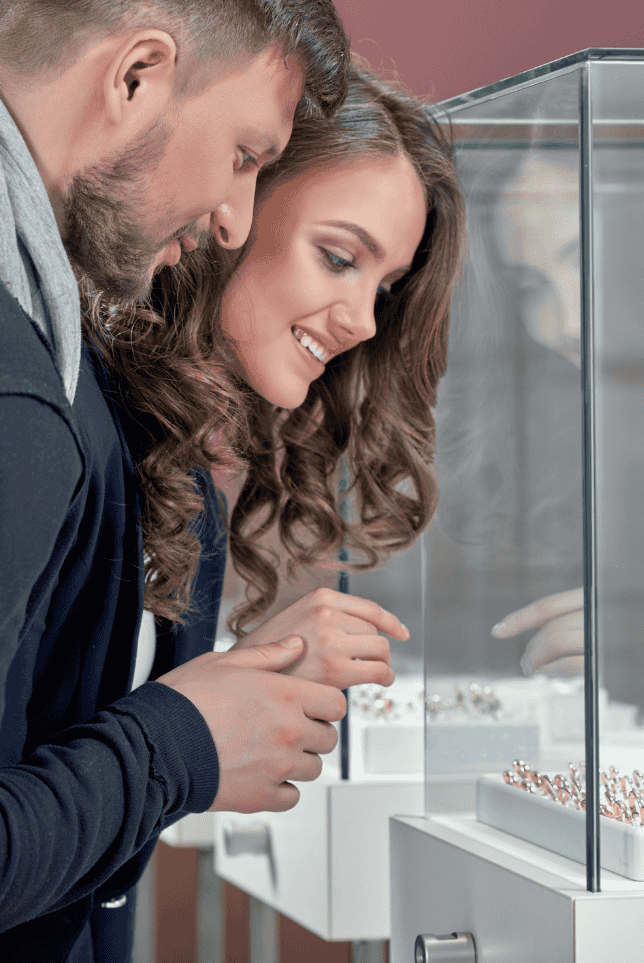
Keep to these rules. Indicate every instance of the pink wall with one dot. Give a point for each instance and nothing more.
(446, 47)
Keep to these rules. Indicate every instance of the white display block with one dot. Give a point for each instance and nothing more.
(475, 748)
(557, 828)
(391, 750)
(195, 829)
(326, 862)
(390, 743)
(519, 902)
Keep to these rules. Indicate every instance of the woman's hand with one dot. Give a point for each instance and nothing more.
(342, 646)
(558, 649)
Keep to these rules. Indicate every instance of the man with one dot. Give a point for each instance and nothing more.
(128, 133)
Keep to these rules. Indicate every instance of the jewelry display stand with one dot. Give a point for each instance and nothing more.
(471, 722)
(557, 828)
(452, 874)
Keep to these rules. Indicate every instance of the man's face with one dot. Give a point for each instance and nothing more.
(189, 179)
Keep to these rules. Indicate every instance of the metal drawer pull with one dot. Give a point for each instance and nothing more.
(247, 839)
(452, 948)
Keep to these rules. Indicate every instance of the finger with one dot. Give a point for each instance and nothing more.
(574, 665)
(272, 656)
(321, 701)
(367, 647)
(538, 613)
(285, 797)
(364, 672)
(341, 621)
(318, 738)
(308, 768)
(561, 638)
(371, 612)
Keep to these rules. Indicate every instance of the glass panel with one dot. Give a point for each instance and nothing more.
(618, 224)
(509, 525)
(386, 725)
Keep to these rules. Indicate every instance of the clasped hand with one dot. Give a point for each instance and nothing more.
(270, 730)
(342, 644)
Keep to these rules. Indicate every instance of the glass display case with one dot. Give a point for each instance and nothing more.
(533, 570)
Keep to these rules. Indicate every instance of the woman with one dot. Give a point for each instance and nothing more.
(324, 347)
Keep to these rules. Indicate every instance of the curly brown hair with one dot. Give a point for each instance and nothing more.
(177, 405)
(371, 407)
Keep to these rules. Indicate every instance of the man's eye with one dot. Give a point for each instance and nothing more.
(247, 162)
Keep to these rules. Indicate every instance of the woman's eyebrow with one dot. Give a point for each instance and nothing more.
(360, 233)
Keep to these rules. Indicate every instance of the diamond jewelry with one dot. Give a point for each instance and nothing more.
(374, 701)
(623, 794)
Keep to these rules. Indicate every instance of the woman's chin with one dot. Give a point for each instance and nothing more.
(281, 396)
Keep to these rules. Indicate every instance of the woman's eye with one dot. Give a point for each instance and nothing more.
(335, 262)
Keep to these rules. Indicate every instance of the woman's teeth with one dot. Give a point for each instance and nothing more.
(308, 342)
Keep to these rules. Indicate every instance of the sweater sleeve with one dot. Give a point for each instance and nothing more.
(77, 808)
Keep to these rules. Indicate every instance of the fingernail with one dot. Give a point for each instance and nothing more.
(291, 643)
(405, 629)
(499, 627)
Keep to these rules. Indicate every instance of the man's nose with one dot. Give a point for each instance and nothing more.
(230, 222)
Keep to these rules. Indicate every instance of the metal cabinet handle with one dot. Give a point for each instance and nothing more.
(452, 948)
(247, 839)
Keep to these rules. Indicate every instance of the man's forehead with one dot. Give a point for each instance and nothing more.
(269, 113)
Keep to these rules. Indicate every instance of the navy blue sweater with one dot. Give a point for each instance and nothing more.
(89, 774)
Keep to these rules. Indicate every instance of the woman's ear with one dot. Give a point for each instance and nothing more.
(140, 79)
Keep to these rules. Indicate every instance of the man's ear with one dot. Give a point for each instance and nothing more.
(140, 78)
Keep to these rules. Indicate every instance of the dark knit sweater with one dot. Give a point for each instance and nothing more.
(89, 774)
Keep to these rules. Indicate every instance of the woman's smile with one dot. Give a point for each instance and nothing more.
(312, 346)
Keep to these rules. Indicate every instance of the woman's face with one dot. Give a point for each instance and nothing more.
(320, 248)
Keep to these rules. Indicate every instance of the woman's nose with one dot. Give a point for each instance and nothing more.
(357, 319)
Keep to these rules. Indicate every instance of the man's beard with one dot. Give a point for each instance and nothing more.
(108, 248)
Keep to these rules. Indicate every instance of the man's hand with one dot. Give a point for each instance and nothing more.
(338, 630)
(268, 728)
(558, 649)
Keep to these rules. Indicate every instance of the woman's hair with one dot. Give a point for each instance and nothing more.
(176, 406)
(369, 414)
(371, 408)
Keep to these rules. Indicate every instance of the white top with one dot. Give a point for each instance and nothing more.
(146, 647)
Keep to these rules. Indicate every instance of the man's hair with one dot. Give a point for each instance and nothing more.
(46, 36)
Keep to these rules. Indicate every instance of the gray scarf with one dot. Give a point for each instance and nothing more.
(33, 263)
